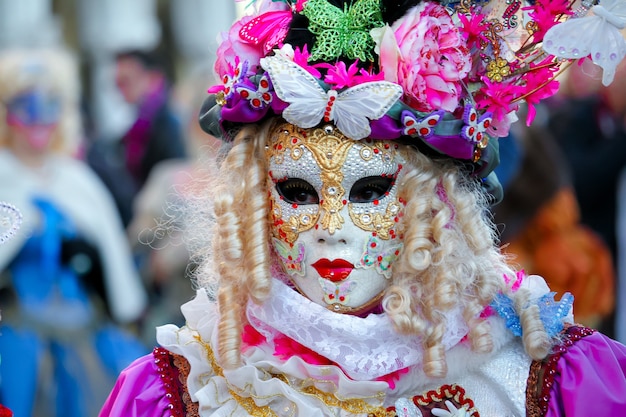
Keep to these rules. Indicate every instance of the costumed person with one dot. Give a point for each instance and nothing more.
(157, 228)
(349, 264)
(71, 295)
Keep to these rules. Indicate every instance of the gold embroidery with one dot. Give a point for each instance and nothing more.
(248, 403)
(425, 401)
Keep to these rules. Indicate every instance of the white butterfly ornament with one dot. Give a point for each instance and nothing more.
(309, 104)
(598, 35)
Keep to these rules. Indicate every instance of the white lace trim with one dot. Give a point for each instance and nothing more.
(364, 347)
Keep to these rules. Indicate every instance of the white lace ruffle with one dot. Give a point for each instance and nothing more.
(365, 347)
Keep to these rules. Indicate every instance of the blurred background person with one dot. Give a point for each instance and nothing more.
(158, 225)
(155, 135)
(540, 223)
(588, 122)
(70, 290)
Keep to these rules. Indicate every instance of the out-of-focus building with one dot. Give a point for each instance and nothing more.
(185, 30)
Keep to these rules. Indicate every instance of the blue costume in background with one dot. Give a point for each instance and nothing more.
(55, 308)
(59, 340)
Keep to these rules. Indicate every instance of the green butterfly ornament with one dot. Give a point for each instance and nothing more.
(343, 32)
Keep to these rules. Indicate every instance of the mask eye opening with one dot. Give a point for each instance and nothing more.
(370, 189)
(297, 191)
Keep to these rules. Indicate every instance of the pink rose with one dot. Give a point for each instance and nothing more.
(425, 53)
(232, 45)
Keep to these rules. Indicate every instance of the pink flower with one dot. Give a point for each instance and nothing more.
(302, 58)
(474, 29)
(427, 56)
(391, 378)
(539, 84)
(250, 337)
(233, 46)
(546, 13)
(341, 77)
(285, 348)
(497, 98)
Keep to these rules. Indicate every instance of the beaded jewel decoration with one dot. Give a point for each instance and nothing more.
(449, 75)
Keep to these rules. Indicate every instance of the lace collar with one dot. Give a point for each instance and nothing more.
(365, 347)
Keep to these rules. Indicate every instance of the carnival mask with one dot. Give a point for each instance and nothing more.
(335, 214)
(35, 115)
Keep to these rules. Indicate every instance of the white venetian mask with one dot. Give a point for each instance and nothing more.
(335, 214)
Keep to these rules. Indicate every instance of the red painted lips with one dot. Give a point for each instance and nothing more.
(334, 271)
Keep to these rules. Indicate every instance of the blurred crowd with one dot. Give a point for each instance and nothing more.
(102, 259)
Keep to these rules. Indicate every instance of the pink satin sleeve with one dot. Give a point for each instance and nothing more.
(138, 392)
(590, 379)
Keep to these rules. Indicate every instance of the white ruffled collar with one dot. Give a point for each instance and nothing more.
(364, 347)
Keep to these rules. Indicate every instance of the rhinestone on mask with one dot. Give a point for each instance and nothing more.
(366, 154)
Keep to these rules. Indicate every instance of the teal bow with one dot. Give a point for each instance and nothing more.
(343, 32)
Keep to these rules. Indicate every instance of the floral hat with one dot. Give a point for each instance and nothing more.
(448, 76)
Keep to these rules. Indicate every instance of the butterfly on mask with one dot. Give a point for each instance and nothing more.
(350, 109)
(379, 256)
(336, 293)
(597, 35)
(291, 256)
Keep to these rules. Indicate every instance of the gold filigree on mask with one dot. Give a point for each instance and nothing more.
(330, 149)
(289, 230)
(285, 140)
(377, 222)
